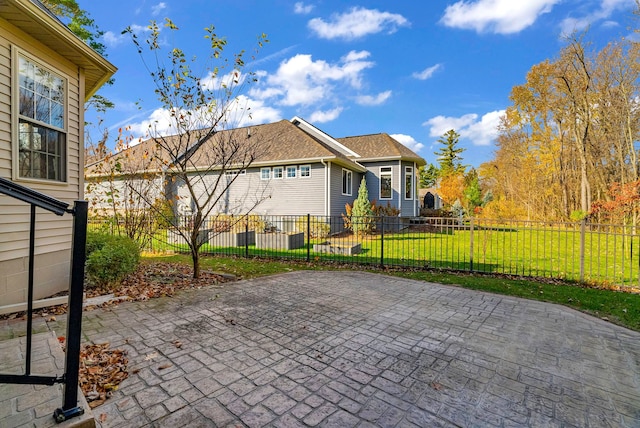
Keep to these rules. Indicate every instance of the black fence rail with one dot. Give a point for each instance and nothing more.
(70, 377)
(580, 251)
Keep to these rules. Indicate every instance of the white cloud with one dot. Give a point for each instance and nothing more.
(606, 9)
(370, 100)
(300, 80)
(302, 9)
(214, 82)
(408, 141)
(357, 23)
(481, 132)
(325, 116)
(241, 112)
(112, 39)
(496, 16)
(158, 8)
(427, 72)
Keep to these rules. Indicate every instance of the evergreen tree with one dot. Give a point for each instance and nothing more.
(428, 176)
(449, 156)
(362, 214)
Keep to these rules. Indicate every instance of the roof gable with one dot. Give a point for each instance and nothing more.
(379, 147)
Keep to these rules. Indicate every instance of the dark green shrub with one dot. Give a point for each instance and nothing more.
(96, 240)
(110, 258)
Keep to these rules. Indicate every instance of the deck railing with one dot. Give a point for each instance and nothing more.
(70, 376)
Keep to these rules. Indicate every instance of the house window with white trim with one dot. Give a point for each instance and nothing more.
(408, 183)
(305, 171)
(277, 172)
(42, 136)
(386, 182)
(265, 173)
(347, 177)
(291, 171)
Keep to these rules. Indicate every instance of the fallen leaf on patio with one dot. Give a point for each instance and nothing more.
(150, 356)
(165, 366)
(135, 371)
(103, 417)
(61, 339)
(51, 319)
(436, 386)
(101, 371)
(177, 344)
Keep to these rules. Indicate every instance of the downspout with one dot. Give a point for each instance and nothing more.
(327, 187)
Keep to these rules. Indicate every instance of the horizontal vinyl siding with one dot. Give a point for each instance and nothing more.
(407, 205)
(338, 200)
(285, 196)
(53, 233)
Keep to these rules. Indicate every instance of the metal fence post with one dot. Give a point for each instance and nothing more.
(308, 237)
(70, 407)
(246, 238)
(583, 228)
(471, 245)
(382, 241)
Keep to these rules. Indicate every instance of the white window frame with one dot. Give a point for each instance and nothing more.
(408, 172)
(262, 175)
(308, 168)
(278, 173)
(17, 119)
(384, 172)
(347, 188)
(288, 169)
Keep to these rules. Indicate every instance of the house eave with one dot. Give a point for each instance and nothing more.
(46, 28)
(419, 161)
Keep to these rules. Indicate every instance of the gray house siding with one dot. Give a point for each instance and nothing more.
(397, 199)
(338, 200)
(408, 205)
(272, 197)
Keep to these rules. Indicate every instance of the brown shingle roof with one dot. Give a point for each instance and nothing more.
(273, 143)
(380, 146)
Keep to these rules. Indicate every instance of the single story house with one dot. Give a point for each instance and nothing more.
(46, 75)
(285, 168)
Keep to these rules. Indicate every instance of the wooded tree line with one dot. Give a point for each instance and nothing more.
(567, 146)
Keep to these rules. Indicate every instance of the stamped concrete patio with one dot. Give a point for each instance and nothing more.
(358, 349)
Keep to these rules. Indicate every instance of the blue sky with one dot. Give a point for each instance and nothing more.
(412, 69)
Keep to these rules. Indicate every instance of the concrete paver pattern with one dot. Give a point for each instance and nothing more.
(359, 349)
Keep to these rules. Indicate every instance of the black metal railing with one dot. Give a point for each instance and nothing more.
(575, 251)
(70, 377)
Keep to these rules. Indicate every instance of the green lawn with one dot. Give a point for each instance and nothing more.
(617, 307)
(548, 253)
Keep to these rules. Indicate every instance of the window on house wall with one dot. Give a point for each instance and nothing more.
(42, 135)
(277, 172)
(347, 177)
(385, 182)
(291, 171)
(305, 170)
(265, 173)
(408, 182)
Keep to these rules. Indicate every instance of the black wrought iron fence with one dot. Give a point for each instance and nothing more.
(70, 376)
(580, 251)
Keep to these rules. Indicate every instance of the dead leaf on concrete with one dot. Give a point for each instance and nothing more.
(165, 366)
(436, 386)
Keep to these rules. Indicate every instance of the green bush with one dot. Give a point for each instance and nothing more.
(110, 258)
(318, 225)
